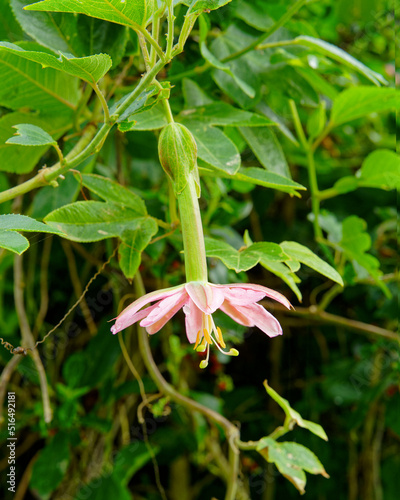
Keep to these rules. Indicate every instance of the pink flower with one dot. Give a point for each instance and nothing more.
(199, 300)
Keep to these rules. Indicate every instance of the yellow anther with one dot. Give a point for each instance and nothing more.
(203, 364)
(207, 336)
(220, 339)
(234, 352)
(197, 340)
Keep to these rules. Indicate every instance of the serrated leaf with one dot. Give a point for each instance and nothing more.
(113, 192)
(327, 49)
(266, 147)
(381, 169)
(293, 415)
(214, 147)
(291, 459)
(357, 102)
(30, 135)
(199, 6)
(130, 13)
(306, 256)
(19, 160)
(88, 221)
(15, 242)
(15, 222)
(26, 85)
(245, 259)
(90, 69)
(132, 245)
(224, 115)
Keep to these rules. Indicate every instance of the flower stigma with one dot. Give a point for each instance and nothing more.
(210, 334)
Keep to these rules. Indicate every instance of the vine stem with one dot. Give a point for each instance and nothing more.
(232, 433)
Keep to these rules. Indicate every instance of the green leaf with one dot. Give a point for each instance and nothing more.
(255, 13)
(10, 30)
(19, 160)
(113, 192)
(316, 121)
(194, 96)
(241, 81)
(293, 415)
(226, 68)
(225, 115)
(267, 149)
(55, 31)
(15, 222)
(260, 177)
(214, 147)
(130, 13)
(146, 100)
(341, 56)
(87, 221)
(31, 135)
(90, 69)
(355, 243)
(291, 459)
(381, 169)
(26, 85)
(357, 102)
(306, 256)
(132, 245)
(284, 273)
(130, 459)
(151, 119)
(199, 6)
(110, 487)
(244, 259)
(45, 479)
(15, 242)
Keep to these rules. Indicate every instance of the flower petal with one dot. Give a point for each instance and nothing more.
(163, 307)
(242, 296)
(127, 316)
(136, 317)
(206, 296)
(234, 312)
(262, 319)
(193, 320)
(268, 292)
(157, 325)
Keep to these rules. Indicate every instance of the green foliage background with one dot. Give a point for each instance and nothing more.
(264, 120)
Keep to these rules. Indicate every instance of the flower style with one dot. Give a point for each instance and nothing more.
(199, 300)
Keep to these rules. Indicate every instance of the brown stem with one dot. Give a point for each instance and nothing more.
(27, 336)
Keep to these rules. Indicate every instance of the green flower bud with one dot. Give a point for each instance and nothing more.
(177, 151)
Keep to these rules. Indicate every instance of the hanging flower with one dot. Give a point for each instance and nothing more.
(199, 300)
